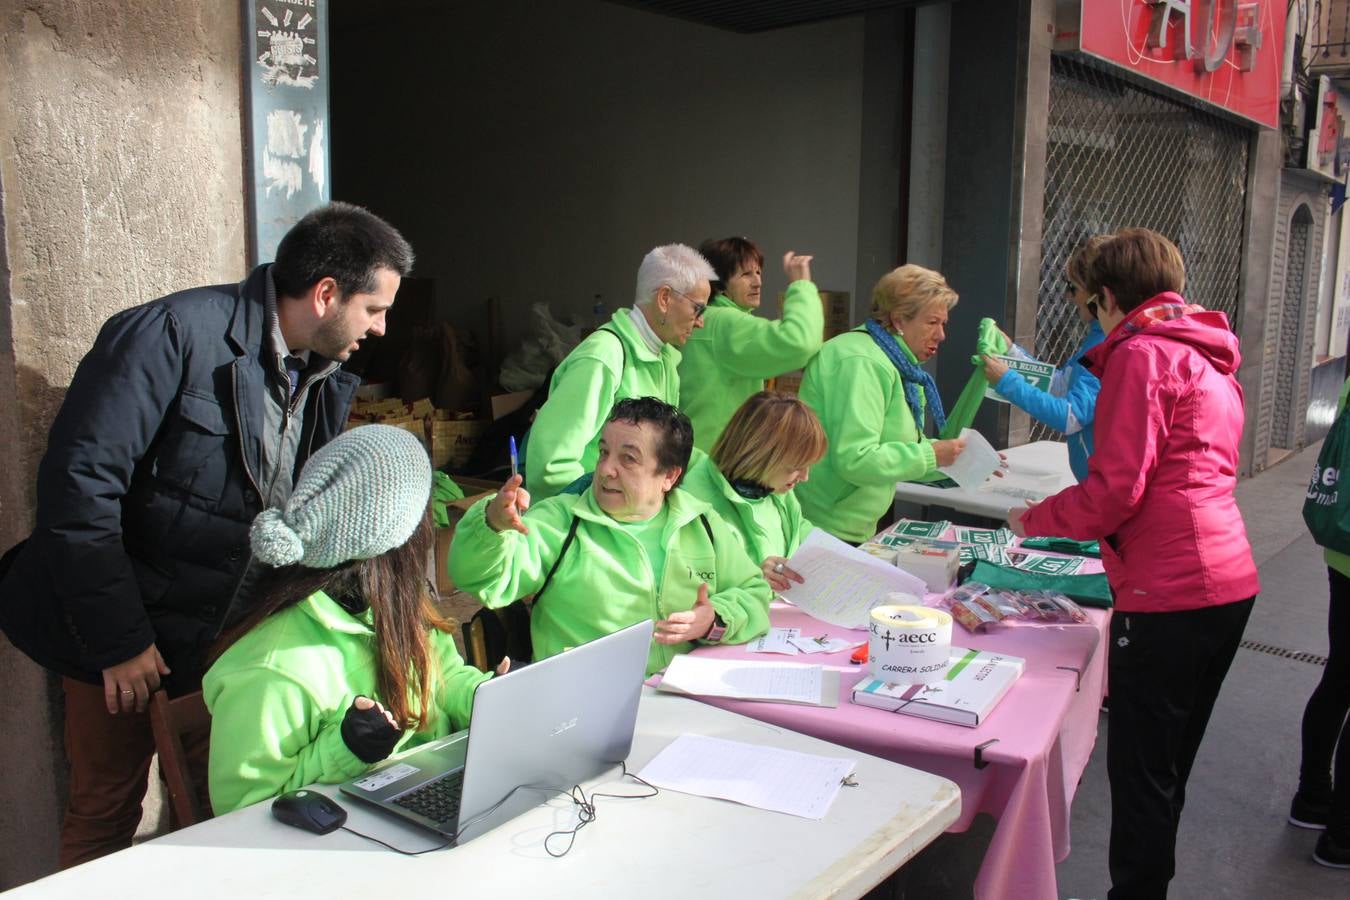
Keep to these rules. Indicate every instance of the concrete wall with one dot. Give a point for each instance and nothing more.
(1261, 248)
(536, 151)
(121, 178)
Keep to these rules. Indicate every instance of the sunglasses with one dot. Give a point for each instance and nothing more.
(699, 308)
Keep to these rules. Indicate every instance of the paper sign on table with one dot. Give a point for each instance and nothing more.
(1046, 565)
(1001, 537)
(706, 676)
(976, 463)
(841, 583)
(800, 784)
(778, 640)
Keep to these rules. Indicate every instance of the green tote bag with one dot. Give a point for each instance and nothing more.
(1325, 509)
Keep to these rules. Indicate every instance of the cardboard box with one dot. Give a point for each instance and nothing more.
(787, 383)
(838, 312)
(505, 404)
(454, 440)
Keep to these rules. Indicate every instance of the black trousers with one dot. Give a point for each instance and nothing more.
(1326, 728)
(1164, 670)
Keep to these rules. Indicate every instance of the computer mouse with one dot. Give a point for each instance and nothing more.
(309, 810)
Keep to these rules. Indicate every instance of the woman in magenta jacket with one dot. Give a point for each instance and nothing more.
(1159, 497)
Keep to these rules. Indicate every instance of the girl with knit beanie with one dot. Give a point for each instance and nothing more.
(344, 660)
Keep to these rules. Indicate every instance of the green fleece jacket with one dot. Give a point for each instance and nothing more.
(728, 359)
(599, 371)
(770, 526)
(278, 695)
(605, 581)
(874, 442)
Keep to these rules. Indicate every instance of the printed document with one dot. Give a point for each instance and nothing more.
(800, 784)
(843, 583)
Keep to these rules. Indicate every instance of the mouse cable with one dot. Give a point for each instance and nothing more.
(376, 840)
(586, 813)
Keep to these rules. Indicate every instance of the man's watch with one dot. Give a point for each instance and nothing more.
(717, 631)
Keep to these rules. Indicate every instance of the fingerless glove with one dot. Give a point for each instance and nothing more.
(368, 734)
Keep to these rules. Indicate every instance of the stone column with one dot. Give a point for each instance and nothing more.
(121, 179)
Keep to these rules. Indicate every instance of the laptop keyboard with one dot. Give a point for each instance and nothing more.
(436, 800)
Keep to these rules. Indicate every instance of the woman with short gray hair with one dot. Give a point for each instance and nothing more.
(635, 354)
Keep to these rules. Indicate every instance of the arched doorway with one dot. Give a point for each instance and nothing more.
(1288, 361)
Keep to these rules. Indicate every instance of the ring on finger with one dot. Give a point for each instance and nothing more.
(127, 691)
(778, 567)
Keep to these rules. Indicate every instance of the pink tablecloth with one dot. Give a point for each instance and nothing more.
(1043, 732)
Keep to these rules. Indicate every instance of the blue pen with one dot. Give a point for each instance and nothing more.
(515, 461)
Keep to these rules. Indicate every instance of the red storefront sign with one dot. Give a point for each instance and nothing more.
(1225, 52)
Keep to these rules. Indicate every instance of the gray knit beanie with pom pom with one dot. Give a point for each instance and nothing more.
(361, 495)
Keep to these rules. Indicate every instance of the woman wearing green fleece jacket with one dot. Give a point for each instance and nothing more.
(635, 354)
(766, 450)
(870, 393)
(344, 619)
(729, 358)
(630, 547)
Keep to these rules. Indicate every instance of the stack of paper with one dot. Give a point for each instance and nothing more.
(736, 679)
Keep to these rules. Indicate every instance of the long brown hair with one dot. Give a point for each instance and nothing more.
(394, 585)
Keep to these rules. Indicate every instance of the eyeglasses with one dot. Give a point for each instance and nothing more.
(699, 308)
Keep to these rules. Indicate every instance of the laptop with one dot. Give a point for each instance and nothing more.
(549, 725)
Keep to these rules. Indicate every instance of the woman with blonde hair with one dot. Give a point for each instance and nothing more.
(767, 448)
(871, 392)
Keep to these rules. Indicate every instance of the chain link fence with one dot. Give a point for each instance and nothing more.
(1117, 156)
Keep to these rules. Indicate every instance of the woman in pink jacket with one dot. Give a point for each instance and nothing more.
(1159, 497)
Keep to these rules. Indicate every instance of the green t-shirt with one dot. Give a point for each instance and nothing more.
(648, 532)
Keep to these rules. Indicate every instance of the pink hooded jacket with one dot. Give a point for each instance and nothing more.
(1159, 491)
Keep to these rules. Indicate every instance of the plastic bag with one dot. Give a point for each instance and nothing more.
(549, 341)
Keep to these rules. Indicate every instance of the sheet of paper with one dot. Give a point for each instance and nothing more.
(800, 784)
(709, 677)
(778, 640)
(842, 583)
(975, 464)
(825, 644)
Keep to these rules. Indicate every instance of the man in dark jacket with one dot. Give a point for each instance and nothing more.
(189, 416)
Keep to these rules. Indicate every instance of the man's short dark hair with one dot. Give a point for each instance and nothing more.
(674, 433)
(341, 241)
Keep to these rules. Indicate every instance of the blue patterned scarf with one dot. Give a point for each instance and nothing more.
(912, 376)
